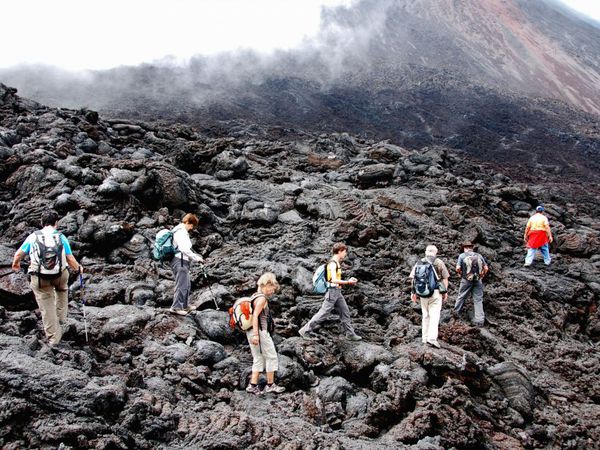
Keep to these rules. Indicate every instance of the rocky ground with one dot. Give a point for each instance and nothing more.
(148, 379)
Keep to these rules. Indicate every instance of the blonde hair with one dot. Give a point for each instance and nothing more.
(268, 279)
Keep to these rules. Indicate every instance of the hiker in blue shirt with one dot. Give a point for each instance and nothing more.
(50, 253)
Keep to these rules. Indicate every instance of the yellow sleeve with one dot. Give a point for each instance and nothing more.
(331, 270)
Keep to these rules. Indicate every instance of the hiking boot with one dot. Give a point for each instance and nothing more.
(253, 389)
(354, 338)
(434, 343)
(307, 335)
(274, 389)
(180, 312)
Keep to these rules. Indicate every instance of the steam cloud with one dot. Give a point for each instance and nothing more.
(374, 44)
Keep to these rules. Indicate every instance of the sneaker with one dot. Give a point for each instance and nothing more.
(526, 265)
(307, 335)
(354, 337)
(253, 389)
(274, 389)
(434, 343)
(181, 312)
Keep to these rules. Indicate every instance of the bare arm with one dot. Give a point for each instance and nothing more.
(259, 305)
(527, 228)
(548, 232)
(16, 264)
(413, 294)
(445, 294)
(485, 270)
(73, 264)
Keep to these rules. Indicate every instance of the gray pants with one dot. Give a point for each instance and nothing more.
(334, 300)
(476, 288)
(183, 284)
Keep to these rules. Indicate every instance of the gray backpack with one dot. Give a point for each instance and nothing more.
(472, 266)
(47, 255)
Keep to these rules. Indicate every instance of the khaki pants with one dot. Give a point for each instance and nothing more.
(431, 308)
(52, 299)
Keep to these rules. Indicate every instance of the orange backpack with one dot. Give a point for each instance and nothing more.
(240, 314)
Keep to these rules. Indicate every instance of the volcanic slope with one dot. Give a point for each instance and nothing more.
(513, 82)
(148, 379)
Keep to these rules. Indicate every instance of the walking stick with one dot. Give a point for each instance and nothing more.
(205, 275)
(82, 286)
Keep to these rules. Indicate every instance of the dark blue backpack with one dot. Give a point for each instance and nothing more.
(425, 281)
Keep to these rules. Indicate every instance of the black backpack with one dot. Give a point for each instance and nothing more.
(425, 280)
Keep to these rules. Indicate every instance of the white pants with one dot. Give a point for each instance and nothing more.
(264, 354)
(431, 308)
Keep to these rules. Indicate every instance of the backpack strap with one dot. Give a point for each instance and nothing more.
(38, 235)
(174, 230)
(60, 245)
(253, 299)
(425, 260)
(337, 266)
(437, 278)
(256, 295)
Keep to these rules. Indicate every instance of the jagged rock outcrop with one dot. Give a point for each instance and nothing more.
(149, 379)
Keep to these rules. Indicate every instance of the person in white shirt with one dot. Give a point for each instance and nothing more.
(180, 264)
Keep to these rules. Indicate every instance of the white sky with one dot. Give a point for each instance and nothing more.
(85, 34)
(80, 34)
(588, 7)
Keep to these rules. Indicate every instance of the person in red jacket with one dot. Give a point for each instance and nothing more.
(538, 237)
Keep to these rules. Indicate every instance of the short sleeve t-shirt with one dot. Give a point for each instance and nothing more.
(26, 246)
(440, 269)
